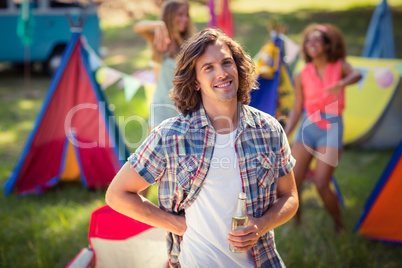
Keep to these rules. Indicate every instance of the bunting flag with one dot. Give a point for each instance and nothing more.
(95, 62)
(131, 86)
(364, 72)
(107, 76)
(145, 76)
(148, 80)
(399, 68)
(225, 19)
(292, 49)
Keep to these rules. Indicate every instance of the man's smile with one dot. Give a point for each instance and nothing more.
(223, 84)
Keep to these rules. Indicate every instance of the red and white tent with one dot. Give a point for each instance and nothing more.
(75, 135)
(118, 241)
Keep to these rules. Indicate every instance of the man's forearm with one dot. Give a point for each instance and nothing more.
(285, 206)
(139, 208)
(283, 209)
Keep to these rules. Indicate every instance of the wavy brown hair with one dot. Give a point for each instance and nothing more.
(331, 36)
(168, 15)
(183, 94)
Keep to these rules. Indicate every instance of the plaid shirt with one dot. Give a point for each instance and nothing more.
(177, 156)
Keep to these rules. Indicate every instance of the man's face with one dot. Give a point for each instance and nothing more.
(217, 74)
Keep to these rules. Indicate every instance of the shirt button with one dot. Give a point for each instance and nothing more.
(210, 144)
(192, 191)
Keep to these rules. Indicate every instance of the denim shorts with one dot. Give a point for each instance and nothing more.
(310, 134)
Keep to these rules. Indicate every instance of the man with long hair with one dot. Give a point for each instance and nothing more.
(202, 159)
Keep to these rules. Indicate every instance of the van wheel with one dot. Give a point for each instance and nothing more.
(50, 66)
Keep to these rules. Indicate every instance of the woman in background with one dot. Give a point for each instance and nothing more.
(165, 36)
(319, 100)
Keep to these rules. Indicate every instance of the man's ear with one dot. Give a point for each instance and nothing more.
(197, 86)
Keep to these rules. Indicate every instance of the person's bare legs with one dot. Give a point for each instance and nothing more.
(327, 160)
(303, 158)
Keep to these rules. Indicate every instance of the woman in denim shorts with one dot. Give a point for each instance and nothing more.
(319, 100)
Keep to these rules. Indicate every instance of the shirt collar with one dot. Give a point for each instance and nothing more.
(247, 118)
(199, 119)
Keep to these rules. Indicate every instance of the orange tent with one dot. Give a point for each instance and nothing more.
(382, 215)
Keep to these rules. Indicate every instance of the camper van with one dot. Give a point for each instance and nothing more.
(52, 26)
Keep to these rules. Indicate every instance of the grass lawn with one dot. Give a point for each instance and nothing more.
(48, 230)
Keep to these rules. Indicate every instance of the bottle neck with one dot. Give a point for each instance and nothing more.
(241, 208)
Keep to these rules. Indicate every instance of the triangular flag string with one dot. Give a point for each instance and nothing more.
(131, 86)
(107, 76)
(362, 81)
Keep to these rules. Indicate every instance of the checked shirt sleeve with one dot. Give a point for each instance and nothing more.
(284, 156)
(149, 159)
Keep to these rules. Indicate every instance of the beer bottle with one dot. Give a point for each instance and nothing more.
(239, 219)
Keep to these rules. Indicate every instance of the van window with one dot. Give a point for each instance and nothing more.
(69, 3)
(51, 30)
(32, 3)
(61, 3)
(3, 3)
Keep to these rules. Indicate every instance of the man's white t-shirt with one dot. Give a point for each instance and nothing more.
(209, 218)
